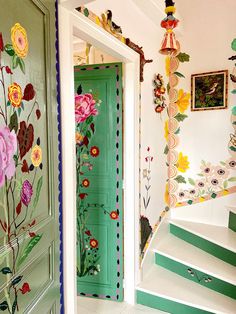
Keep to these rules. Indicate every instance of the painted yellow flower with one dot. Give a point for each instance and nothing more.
(182, 163)
(19, 40)
(167, 66)
(78, 138)
(15, 95)
(166, 129)
(183, 100)
(36, 155)
(166, 197)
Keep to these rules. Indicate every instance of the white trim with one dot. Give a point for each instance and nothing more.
(231, 209)
(68, 160)
(73, 4)
(75, 24)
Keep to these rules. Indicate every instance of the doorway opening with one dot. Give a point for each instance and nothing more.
(73, 24)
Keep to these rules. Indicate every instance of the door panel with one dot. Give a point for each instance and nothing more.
(99, 181)
(29, 228)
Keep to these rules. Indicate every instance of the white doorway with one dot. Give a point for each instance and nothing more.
(72, 23)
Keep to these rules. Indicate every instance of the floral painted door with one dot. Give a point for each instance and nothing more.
(98, 114)
(29, 228)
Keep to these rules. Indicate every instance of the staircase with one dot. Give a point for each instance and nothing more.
(193, 269)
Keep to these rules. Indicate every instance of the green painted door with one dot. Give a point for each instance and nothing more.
(98, 114)
(29, 229)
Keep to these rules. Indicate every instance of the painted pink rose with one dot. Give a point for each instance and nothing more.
(84, 107)
(8, 146)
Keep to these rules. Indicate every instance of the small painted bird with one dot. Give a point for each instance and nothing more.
(113, 26)
(212, 89)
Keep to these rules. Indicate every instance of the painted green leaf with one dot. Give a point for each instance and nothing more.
(232, 179)
(29, 248)
(13, 122)
(200, 175)
(79, 90)
(232, 148)
(8, 103)
(222, 163)
(3, 306)
(233, 91)
(38, 190)
(86, 12)
(21, 63)
(14, 305)
(225, 185)
(9, 50)
(234, 110)
(191, 181)
(180, 179)
(14, 61)
(89, 120)
(183, 57)
(88, 134)
(168, 88)
(166, 150)
(233, 44)
(6, 270)
(179, 74)
(16, 280)
(180, 117)
(177, 131)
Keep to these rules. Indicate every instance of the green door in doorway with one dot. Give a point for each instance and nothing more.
(98, 114)
(29, 184)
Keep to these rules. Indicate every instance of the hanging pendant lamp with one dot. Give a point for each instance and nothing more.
(169, 44)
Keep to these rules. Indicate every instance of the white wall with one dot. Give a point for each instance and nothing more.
(208, 30)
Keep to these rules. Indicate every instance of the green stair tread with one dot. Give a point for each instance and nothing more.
(167, 305)
(199, 278)
(206, 245)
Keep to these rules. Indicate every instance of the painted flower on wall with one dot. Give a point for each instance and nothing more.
(93, 243)
(114, 215)
(36, 156)
(79, 138)
(94, 151)
(15, 95)
(211, 180)
(8, 146)
(19, 40)
(84, 107)
(26, 192)
(183, 101)
(182, 163)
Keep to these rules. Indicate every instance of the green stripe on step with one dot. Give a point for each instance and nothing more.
(232, 221)
(205, 245)
(197, 276)
(166, 305)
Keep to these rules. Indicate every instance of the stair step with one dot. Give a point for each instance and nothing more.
(167, 291)
(232, 221)
(216, 240)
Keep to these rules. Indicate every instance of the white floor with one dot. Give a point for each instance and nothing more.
(92, 306)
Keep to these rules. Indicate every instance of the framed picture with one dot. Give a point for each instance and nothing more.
(209, 90)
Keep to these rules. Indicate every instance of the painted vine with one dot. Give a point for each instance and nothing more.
(86, 109)
(20, 165)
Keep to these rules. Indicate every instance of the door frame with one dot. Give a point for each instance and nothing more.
(72, 23)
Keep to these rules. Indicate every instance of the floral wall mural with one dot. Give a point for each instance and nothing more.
(21, 164)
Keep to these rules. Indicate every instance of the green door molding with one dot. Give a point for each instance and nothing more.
(232, 221)
(99, 181)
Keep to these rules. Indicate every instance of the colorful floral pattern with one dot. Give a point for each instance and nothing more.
(8, 146)
(19, 40)
(84, 107)
(20, 184)
(15, 95)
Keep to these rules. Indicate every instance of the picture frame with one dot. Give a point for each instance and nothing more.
(209, 90)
